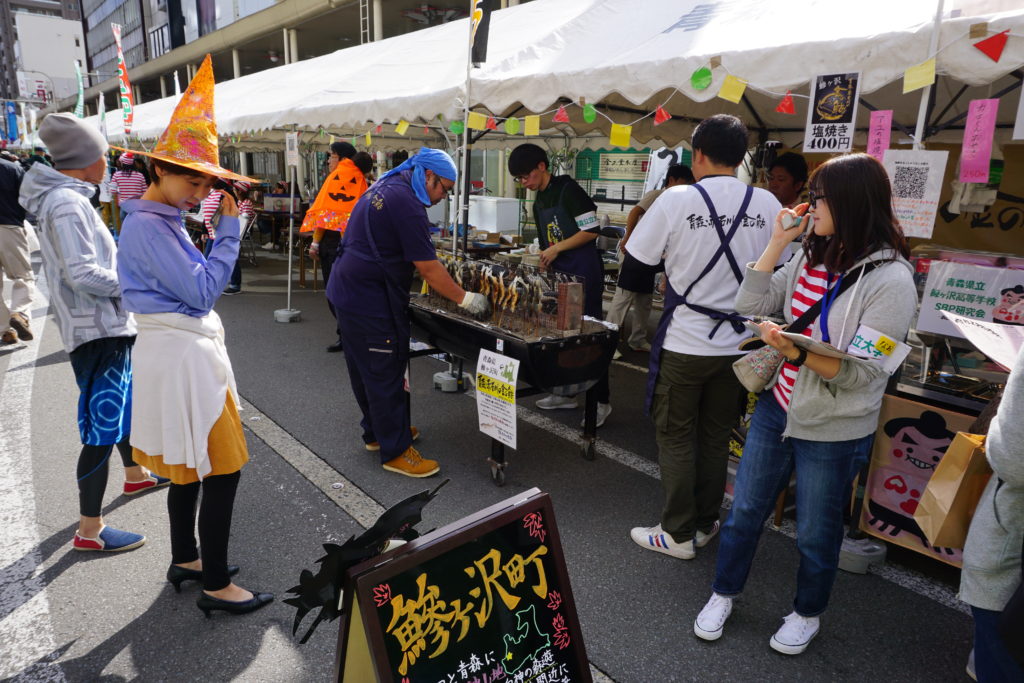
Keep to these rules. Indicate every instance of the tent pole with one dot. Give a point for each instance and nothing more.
(462, 198)
(922, 110)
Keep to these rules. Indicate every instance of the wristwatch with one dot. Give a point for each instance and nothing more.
(799, 359)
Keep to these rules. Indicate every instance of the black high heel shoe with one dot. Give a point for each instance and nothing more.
(208, 603)
(178, 575)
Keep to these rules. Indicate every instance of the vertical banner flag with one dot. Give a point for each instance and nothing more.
(101, 114)
(916, 176)
(80, 104)
(481, 19)
(978, 131)
(832, 113)
(24, 126)
(11, 114)
(127, 102)
(177, 86)
(880, 133)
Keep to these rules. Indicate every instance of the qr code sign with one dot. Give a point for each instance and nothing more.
(910, 181)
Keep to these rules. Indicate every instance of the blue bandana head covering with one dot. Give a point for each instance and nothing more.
(426, 159)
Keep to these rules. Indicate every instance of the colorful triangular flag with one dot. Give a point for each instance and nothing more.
(380, 128)
(993, 46)
(661, 116)
(561, 116)
(491, 123)
(786, 106)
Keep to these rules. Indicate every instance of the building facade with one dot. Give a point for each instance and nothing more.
(11, 48)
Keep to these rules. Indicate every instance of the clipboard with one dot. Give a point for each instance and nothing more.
(814, 346)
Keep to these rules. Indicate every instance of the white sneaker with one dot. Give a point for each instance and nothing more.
(710, 623)
(554, 402)
(702, 539)
(617, 355)
(603, 411)
(269, 246)
(795, 635)
(653, 538)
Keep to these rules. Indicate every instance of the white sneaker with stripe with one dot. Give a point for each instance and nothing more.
(653, 538)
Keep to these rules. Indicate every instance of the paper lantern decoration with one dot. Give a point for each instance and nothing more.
(589, 113)
(661, 116)
(561, 116)
(512, 126)
(786, 106)
(456, 127)
(701, 78)
(993, 47)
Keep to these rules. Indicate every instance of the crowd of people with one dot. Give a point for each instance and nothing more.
(731, 254)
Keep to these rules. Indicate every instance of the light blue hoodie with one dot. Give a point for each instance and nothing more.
(79, 257)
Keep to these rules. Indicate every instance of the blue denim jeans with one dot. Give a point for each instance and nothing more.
(824, 473)
(992, 660)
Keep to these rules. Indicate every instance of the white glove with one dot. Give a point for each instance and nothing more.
(475, 304)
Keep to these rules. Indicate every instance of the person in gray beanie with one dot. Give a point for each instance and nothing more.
(80, 262)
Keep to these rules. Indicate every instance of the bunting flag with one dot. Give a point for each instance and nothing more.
(732, 89)
(80, 104)
(481, 18)
(369, 139)
(402, 127)
(380, 128)
(512, 126)
(426, 130)
(476, 121)
(589, 113)
(127, 101)
(561, 116)
(993, 46)
(532, 126)
(619, 137)
(786, 106)
(492, 124)
(661, 116)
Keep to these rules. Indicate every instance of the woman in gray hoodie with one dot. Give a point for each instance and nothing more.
(819, 415)
(992, 554)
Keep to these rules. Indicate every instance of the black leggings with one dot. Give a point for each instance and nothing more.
(92, 475)
(214, 525)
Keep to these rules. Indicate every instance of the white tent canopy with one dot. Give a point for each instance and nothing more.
(627, 56)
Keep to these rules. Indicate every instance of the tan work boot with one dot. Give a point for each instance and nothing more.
(375, 445)
(412, 465)
(20, 323)
(9, 336)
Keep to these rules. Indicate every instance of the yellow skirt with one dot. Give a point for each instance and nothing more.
(226, 448)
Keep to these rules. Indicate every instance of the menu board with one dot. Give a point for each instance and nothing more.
(484, 599)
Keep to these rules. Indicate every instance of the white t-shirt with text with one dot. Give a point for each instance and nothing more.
(679, 226)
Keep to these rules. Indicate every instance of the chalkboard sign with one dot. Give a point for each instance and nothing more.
(484, 599)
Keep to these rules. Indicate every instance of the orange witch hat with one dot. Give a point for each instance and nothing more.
(190, 139)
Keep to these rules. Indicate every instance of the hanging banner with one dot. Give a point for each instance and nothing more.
(11, 114)
(984, 293)
(101, 117)
(880, 133)
(80, 104)
(496, 396)
(291, 148)
(481, 27)
(977, 150)
(916, 177)
(127, 101)
(832, 113)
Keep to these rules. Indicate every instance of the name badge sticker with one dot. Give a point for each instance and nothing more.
(871, 344)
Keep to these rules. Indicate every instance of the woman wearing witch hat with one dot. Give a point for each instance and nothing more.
(185, 422)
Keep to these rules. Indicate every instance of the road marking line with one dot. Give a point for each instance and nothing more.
(25, 630)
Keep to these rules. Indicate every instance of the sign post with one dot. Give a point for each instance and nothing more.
(291, 156)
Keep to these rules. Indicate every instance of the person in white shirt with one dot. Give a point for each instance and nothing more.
(706, 233)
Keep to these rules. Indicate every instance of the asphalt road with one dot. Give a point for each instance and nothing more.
(88, 617)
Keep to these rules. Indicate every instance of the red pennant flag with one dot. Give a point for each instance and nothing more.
(993, 46)
(380, 129)
(786, 105)
(661, 116)
(426, 130)
(561, 116)
(491, 123)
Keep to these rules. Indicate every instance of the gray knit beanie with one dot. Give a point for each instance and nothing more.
(73, 143)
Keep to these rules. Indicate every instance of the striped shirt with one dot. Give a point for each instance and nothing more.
(245, 210)
(810, 287)
(128, 185)
(207, 209)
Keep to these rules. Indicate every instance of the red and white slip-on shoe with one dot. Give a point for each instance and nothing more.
(109, 540)
(151, 482)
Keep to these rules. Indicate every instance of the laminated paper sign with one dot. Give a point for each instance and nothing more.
(978, 131)
(832, 113)
(916, 177)
(496, 396)
(976, 292)
(1000, 342)
(880, 133)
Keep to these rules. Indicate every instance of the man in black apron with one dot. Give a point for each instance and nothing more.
(706, 233)
(567, 228)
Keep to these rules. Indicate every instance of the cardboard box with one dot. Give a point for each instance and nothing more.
(910, 441)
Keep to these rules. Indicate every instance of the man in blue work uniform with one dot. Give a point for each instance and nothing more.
(387, 238)
(567, 227)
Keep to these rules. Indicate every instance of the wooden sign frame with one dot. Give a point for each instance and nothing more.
(361, 652)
